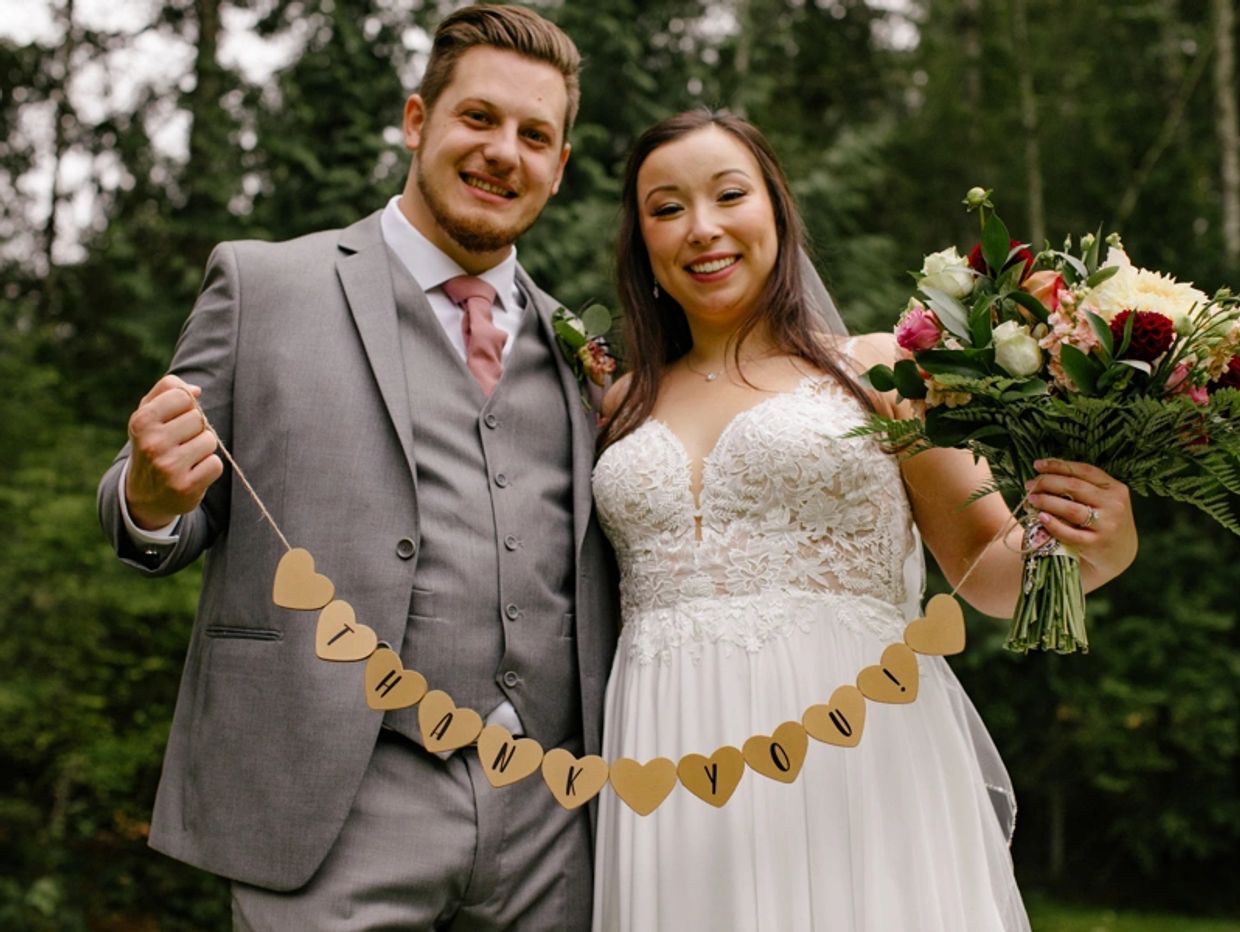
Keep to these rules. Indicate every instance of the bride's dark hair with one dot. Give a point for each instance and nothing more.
(656, 332)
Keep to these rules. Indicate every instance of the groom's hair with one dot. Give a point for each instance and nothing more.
(510, 28)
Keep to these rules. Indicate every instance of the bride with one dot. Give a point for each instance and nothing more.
(765, 560)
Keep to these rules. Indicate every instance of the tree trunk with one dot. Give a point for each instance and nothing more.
(1228, 135)
(741, 65)
(61, 114)
(1029, 123)
(205, 202)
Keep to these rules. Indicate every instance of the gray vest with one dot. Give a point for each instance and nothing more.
(491, 613)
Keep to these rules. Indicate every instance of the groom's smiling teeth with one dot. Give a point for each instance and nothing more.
(713, 265)
(488, 187)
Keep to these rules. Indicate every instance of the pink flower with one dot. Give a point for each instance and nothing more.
(598, 363)
(1179, 384)
(1044, 286)
(918, 329)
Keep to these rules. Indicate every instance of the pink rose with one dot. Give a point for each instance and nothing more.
(1045, 286)
(918, 329)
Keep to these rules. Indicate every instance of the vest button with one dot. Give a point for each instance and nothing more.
(501, 480)
(511, 678)
(491, 421)
(512, 611)
(406, 548)
(511, 542)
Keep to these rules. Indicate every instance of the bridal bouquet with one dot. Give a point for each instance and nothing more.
(1073, 353)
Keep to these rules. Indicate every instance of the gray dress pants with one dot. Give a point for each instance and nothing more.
(430, 844)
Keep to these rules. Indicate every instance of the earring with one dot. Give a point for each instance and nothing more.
(656, 291)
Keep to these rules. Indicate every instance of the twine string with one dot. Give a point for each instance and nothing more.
(1012, 522)
(206, 422)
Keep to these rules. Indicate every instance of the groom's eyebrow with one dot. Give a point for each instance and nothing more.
(674, 187)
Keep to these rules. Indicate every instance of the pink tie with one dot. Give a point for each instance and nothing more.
(483, 340)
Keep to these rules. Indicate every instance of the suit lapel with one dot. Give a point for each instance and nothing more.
(363, 268)
(580, 418)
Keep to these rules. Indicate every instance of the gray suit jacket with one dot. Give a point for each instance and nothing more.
(296, 349)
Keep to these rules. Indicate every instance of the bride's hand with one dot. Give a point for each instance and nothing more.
(1084, 507)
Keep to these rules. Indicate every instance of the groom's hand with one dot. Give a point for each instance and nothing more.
(173, 460)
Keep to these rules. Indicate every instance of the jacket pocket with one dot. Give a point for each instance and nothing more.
(244, 634)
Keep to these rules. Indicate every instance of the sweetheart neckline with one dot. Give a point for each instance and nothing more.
(696, 494)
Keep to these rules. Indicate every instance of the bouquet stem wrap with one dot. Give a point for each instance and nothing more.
(1050, 611)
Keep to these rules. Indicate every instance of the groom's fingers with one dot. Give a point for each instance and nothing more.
(171, 383)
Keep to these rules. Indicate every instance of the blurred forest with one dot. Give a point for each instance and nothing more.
(1126, 761)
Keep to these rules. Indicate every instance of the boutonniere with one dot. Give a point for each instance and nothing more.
(582, 339)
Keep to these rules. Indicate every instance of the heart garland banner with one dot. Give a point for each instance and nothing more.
(574, 781)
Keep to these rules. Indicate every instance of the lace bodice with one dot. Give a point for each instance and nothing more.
(790, 512)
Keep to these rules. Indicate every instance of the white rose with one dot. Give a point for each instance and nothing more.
(947, 271)
(1016, 351)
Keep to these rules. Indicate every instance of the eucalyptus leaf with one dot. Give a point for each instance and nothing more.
(596, 319)
(951, 313)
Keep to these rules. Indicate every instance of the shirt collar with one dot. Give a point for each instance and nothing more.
(431, 267)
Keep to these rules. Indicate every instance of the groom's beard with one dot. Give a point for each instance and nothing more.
(472, 235)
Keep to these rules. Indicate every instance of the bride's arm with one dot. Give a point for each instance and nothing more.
(940, 481)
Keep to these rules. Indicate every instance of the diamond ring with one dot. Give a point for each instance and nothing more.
(1090, 518)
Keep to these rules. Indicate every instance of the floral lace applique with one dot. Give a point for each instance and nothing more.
(788, 507)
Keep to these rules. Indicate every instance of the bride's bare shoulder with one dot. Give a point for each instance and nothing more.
(863, 350)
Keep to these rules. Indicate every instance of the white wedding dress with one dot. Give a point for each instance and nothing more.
(806, 566)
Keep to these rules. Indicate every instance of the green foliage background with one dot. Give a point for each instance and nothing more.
(1126, 761)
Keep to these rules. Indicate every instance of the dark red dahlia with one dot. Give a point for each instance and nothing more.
(1231, 375)
(978, 264)
(1152, 333)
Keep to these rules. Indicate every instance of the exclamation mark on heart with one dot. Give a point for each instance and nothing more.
(891, 676)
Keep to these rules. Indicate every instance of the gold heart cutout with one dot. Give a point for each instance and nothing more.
(297, 585)
(780, 755)
(506, 759)
(389, 685)
(840, 721)
(340, 637)
(941, 631)
(444, 726)
(893, 679)
(573, 781)
(715, 778)
(643, 786)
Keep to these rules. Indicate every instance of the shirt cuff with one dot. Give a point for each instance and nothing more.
(150, 542)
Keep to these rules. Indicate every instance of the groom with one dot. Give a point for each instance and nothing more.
(394, 395)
